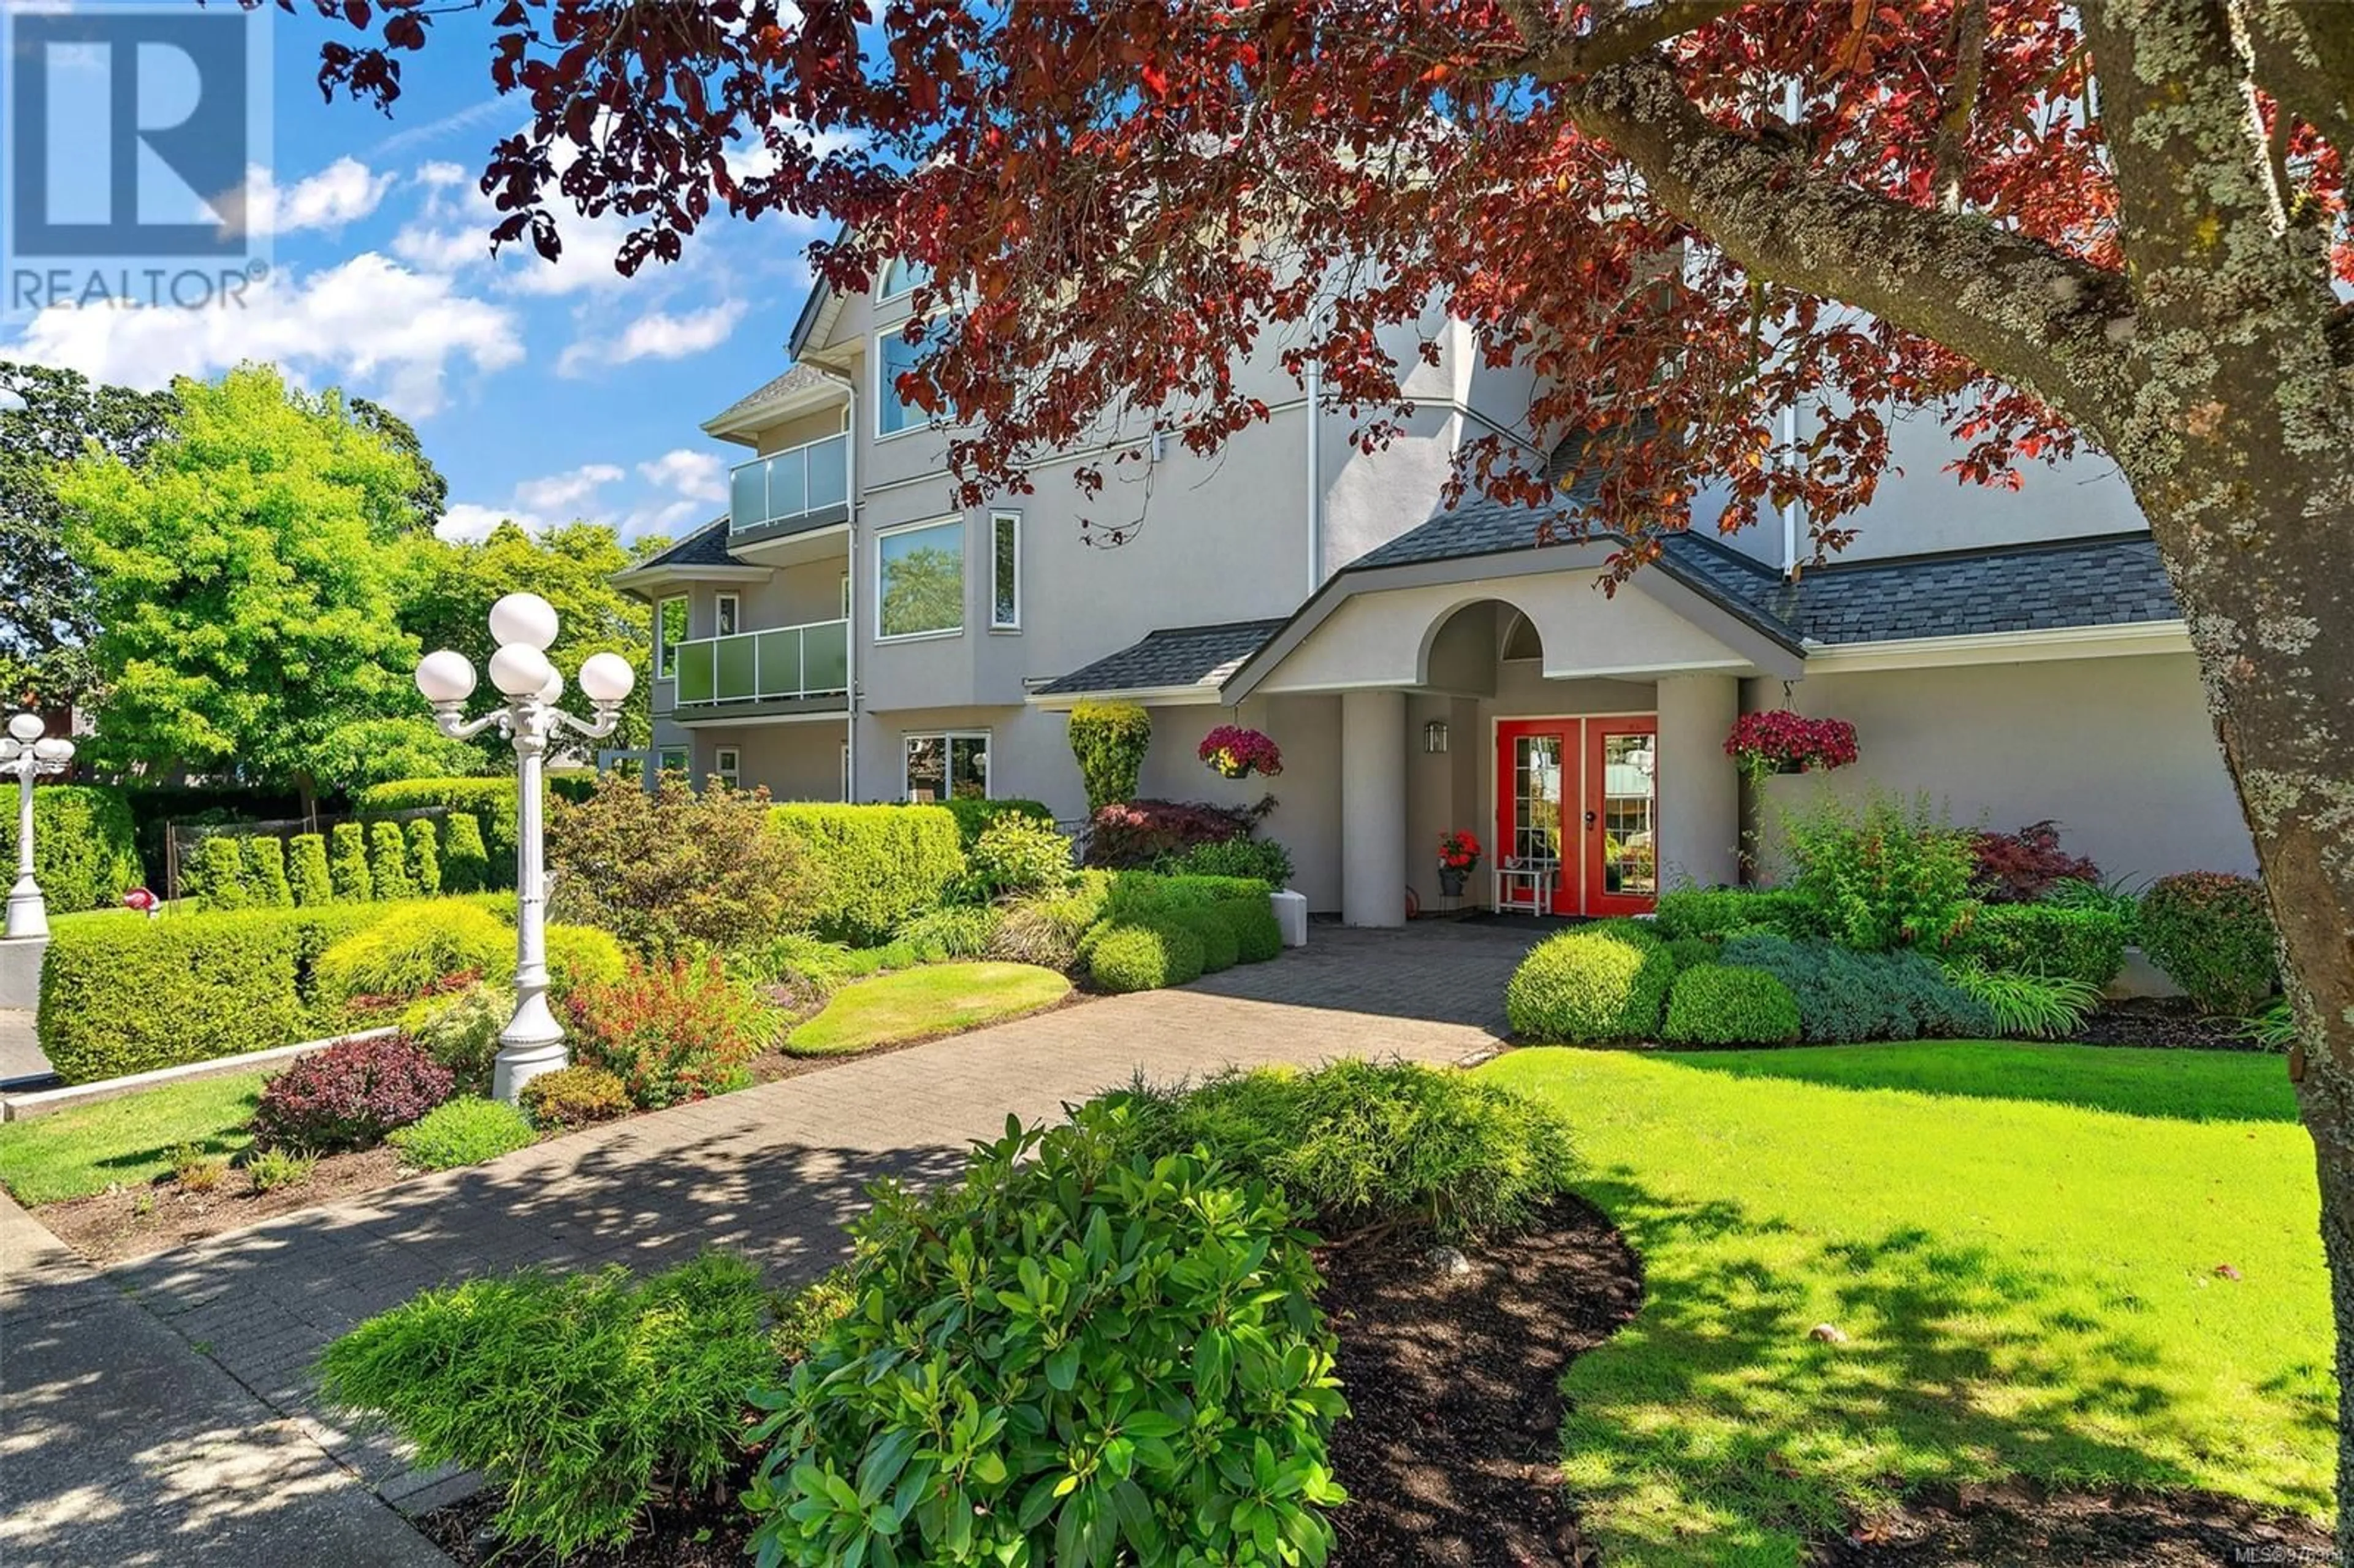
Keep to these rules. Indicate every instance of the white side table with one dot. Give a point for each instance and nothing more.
(1537, 876)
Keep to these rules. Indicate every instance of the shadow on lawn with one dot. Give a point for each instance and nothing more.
(2178, 1086)
(1716, 1427)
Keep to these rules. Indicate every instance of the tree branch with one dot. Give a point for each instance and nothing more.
(1553, 56)
(1952, 151)
(2289, 66)
(2023, 311)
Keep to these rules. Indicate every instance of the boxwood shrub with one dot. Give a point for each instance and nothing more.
(1718, 1004)
(1221, 946)
(1143, 956)
(1722, 911)
(2046, 939)
(875, 867)
(1590, 984)
(1138, 894)
(2212, 933)
(1170, 1303)
(1258, 936)
(83, 851)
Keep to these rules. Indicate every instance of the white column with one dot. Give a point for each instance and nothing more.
(1372, 808)
(1699, 790)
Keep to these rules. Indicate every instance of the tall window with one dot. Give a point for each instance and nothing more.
(1005, 570)
(919, 580)
(950, 766)
(671, 759)
(901, 276)
(727, 764)
(670, 630)
(730, 618)
(894, 358)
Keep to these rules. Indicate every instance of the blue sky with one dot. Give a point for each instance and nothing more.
(542, 392)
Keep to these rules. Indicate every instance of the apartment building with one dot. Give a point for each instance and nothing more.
(844, 632)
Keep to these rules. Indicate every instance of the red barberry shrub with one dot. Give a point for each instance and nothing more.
(349, 1096)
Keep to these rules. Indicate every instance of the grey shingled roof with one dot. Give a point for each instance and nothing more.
(706, 546)
(1173, 656)
(800, 378)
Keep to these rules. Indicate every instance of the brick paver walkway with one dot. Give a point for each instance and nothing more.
(773, 1171)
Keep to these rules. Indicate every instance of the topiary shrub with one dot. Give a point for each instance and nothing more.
(1590, 985)
(1126, 1292)
(220, 860)
(424, 857)
(1845, 997)
(347, 868)
(466, 865)
(2213, 934)
(1259, 936)
(1109, 740)
(1717, 1004)
(407, 954)
(670, 1032)
(308, 878)
(1019, 855)
(874, 868)
(1143, 956)
(349, 1096)
(2087, 944)
(1357, 1143)
(490, 801)
(580, 1397)
(463, 1132)
(1221, 946)
(575, 1096)
(1263, 860)
(85, 854)
(1720, 911)
(388, 862)
(672, 871)
(265, 873)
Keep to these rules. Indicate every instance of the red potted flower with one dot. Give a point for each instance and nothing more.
(1234, 752)
(1780, 741)
(1458, 856)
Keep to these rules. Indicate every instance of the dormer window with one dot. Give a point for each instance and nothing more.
(901, 276)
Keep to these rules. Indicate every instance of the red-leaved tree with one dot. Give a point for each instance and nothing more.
(2113, 224)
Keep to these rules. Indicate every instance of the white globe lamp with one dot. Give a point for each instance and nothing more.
(520, 670)
(606, 678)
(446, 676)
(54, 748)
(525, 618)
(25, 727)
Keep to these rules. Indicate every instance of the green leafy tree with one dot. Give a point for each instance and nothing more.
(46, 615)
(431, 498)
(244, 586)
(448, 586)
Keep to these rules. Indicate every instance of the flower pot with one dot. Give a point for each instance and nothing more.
(1788, 766)
(1451, 880)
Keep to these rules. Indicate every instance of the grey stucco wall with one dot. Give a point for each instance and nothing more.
(2119, 751)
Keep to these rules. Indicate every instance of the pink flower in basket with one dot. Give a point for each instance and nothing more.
(1234, 752)
(1780, 741)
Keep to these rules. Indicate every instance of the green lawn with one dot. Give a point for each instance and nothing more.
(932, 1000)
(2021, 1243)
(70, 1153)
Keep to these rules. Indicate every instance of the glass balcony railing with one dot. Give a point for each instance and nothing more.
(787, 663)
(806, 482)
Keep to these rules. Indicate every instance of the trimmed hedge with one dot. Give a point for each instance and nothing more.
(1717, 1004)
(1221, 944)
(2048, 939)
(128, 995)
(310, 882)
(83, 854)
(1258, 936)
(220, 868)
(1136, 894)
(2212, 933)
(1142, 957)
(1723, 911)
(388, 862)
(347, 865)
(465, 861)
(490, 801)
(424, 856)
(875, 867)
(265, 872)
(972, 817)
(1588, 985)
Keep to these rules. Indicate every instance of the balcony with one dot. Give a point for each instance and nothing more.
(789, 664)
(792, 492)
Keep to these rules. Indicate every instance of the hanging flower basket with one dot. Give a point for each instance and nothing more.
(1234, 752)
(1780, 741)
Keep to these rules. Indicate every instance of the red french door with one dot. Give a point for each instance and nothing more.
(1577, 815)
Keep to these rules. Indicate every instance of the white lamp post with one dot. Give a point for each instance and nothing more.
(525, 624)
(27, 752)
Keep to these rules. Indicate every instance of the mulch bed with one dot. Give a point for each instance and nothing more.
(1997, 1527)
(134, 1221)
(1452, 1455)
(2169, 1023)
(713, 1535)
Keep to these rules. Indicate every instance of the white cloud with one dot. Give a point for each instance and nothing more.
(472, 524)
(698, 476)
(344, 192)
(565, 492)
(657, 334)
(369, 323)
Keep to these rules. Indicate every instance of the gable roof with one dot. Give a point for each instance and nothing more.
(800, 383)
(1173, 657)
(706, 546)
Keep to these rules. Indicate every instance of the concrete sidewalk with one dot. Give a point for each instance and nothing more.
(771, 1171)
